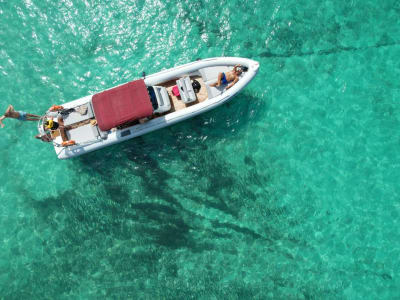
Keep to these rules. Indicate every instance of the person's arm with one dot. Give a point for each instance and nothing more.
(232, 83)
(43, 138)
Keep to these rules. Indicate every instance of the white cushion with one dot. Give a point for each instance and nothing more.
(83, 133)
(211, 73)
(75, 117)
(214, 91)
(190, 90)
(186, 89)
(182, 90)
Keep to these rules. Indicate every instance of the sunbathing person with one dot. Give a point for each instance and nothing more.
(230, 77)
(19, 115)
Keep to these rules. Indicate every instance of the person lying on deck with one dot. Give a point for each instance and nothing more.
(231, 76)
(19, 115)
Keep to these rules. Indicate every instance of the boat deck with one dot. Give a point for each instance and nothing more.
(177, 103)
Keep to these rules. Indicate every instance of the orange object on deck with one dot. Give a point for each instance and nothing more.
(56, 107)
(68, 143)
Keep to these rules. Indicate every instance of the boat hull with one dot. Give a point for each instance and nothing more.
(122, 135)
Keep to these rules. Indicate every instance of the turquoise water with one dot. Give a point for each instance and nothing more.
(291, 191)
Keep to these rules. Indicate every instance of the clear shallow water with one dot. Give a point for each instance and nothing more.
(290, 191)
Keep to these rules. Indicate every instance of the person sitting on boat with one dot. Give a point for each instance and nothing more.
(19, 115)
(51, 125)
(230, 77)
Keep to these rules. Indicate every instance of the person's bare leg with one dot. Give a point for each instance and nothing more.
(9, 110)
(218, 83)
(31, 117)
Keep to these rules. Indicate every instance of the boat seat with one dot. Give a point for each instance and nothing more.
(210, 74)
(78, 114)
(186, 89)
(214, 91)
(83, 133)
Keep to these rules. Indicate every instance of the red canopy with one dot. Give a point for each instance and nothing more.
(122, 104)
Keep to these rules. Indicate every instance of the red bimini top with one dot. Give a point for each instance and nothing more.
(125, 103)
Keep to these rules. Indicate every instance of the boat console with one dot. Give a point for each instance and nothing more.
(186, 90)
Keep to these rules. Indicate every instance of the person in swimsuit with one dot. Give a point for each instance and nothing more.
(19, 115)
(230, 77)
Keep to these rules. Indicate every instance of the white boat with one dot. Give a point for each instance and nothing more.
(141, 106)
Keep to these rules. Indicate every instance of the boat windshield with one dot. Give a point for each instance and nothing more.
(153, 97)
